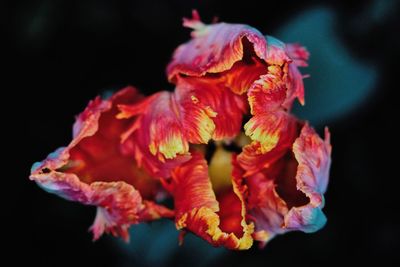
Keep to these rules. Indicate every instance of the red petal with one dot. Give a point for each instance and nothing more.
(226, 109)
(197, 114)
(268, 93)
(214, 48)
(243, 73)
(286, 192)
(197, 209)
(266, 130)
(93, 169)
(253, 159)
(156, 137)
(268, 98)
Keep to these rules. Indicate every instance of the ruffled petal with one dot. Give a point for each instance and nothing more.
(286, 194)
(156, 137)
(159, 118)
(268, 99)
(276, 52)
(197, 209)
(313, 156)
(266, 130)
(197, 115)
(119, 206)
(265, 206)
(269, 120)
(243, 73)
(94, 170)
(253, 157)
(299, 55)
(267, 93)
(287, 58)
(222, 106)
(214, 48)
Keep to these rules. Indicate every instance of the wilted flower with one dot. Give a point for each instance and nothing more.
(229, 186)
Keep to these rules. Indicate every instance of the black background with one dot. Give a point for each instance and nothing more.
(66, 52)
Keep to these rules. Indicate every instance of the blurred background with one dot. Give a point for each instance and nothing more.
(65, 52)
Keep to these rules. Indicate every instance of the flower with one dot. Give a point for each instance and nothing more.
(230, 184)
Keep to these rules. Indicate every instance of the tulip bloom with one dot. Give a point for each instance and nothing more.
(230, 184)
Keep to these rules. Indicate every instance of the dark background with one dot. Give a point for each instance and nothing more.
(66, 52)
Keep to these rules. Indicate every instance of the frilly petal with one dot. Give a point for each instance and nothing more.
(253, 157)
(299, 55)
(159, 118)
(267, 129)
(276, 52)
(286, 194)
(214, 48)
(156, 136)
(267, 93)
(313, 156)
(243, 73)
(198, 210)
(307, 219)
(269, 99)
(223, 107)
(93, 170)
(270, 119)
(265, 206)
(288, 58)
(197, 115)
(119, 205)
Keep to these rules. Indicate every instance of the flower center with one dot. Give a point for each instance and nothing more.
(220, 163)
